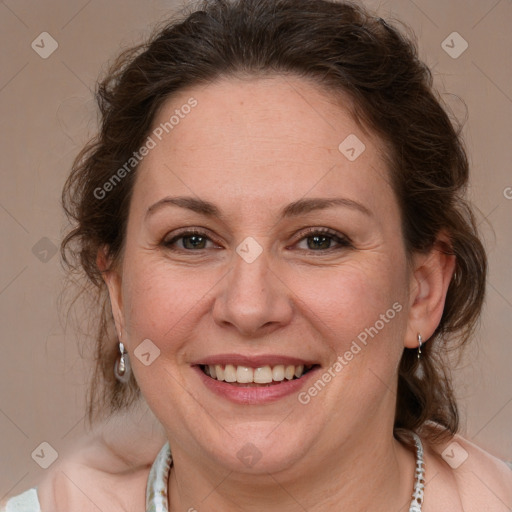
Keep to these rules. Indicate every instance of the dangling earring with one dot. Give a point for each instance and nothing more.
(122, 369)
(420, 339)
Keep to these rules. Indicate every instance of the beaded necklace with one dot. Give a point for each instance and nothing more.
(158, 480)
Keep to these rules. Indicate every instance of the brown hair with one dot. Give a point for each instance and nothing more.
(343, 48)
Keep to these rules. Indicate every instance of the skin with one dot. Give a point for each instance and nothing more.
(111, 465)
(252, 147)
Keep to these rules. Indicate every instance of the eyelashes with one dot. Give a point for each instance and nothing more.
(321, 235)
(318, 240)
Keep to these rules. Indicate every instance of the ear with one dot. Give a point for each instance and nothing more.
(430, 278)
(112, 279)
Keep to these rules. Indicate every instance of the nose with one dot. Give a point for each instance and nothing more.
(253, 300)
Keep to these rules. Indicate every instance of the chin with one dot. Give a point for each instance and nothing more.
(259, 447)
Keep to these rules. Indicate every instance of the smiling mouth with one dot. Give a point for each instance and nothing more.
(253, 377)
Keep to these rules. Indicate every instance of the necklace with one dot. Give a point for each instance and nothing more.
(419, 474)
(158, 480)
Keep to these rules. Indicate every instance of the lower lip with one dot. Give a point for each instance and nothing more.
(255, 395)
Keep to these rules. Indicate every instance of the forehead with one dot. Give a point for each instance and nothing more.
(266, 138)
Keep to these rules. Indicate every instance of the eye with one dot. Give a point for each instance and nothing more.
(188, 241)
(315, 239)
(322, 240)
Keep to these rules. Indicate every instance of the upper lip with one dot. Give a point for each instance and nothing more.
(253, 361)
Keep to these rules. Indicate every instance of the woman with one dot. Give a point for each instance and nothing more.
(274, 206)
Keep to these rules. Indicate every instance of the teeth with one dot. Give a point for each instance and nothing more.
(262, 375)
(289, 372)
(244, 374)
(230, 373)
(278, 373)
(219, 372)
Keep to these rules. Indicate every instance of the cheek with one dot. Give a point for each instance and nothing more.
(168, 304)
(161, 301)
(360, 313)
(355, 302)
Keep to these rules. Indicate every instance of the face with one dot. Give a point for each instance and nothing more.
(256, 249)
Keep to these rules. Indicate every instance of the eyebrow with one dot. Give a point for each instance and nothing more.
(299, 207)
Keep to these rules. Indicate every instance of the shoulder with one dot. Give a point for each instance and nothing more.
(92, 478)
(89, 479)
(108, 466)
(483, 480)
(479, 480)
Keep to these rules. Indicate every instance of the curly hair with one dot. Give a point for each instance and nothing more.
(342, 48)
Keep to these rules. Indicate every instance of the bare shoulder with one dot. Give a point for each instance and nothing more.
(469, 477)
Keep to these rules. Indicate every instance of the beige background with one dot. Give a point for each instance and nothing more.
(46, 114)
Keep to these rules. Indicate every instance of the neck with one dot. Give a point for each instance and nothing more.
(356, 476)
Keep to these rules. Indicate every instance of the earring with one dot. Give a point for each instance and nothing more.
(420, 340)
(122, 369)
